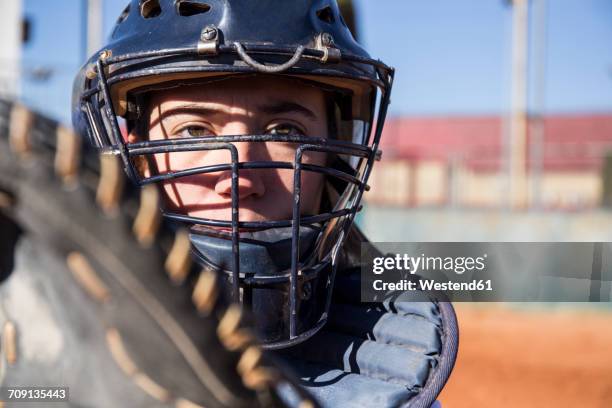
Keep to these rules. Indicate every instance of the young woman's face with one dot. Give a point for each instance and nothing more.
(246, 106)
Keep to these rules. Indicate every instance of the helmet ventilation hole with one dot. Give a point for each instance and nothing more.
(150, 8)
(124, 14)
(326, 14)
(188, 8)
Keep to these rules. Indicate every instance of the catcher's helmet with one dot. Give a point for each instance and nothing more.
(288, 272)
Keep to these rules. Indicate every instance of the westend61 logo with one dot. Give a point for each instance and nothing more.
(405, 262)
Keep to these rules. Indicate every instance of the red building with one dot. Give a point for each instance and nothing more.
(462, 161)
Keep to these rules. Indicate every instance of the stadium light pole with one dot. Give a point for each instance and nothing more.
(537, 124)
(92, 27)
(518, 120)
(10, 48)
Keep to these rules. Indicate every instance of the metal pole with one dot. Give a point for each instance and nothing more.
(83, 42)
(94, 26)
(518, 123)
(537, 126)
(10, 48)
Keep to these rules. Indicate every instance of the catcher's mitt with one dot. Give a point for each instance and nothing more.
(100, 296)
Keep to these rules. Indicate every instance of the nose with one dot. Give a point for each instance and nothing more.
(250, 182)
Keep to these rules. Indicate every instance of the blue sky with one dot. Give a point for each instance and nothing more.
(452, 57)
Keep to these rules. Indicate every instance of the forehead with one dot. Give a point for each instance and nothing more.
(250, 91)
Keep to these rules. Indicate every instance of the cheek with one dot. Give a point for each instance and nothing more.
(177, 161)
(189, 190)
(279, 189)
(183, 193)
(312, 183)
(312, 188)
(311, 191)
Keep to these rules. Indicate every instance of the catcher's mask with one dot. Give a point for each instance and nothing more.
(283, 270)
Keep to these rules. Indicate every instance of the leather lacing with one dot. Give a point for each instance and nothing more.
(255, 374)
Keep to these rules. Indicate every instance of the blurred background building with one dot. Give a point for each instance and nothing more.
(459, 161)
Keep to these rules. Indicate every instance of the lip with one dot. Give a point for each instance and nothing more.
(224, 230)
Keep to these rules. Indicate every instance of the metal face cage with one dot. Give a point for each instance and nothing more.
(100, 119)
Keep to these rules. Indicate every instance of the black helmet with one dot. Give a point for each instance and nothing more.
(282, 269)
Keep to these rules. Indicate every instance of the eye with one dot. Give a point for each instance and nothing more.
(285, 129)
(194, 131)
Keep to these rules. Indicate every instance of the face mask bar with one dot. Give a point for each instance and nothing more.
(304, 144)
(104, 129)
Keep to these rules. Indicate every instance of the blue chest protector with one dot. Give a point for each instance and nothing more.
(389, 354)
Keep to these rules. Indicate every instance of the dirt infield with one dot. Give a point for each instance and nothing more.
(518, 358)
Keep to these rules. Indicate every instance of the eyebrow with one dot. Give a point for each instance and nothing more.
(276, 108)
(191, 108)
(282, 107)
